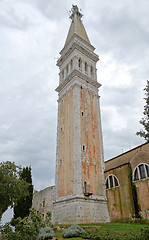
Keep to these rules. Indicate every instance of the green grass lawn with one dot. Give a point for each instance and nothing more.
(122, 227)
(114, 229)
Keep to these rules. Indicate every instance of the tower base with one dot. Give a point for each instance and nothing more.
(80, 209)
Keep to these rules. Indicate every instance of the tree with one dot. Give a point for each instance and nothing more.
(145, 120)
(11, 185)
(23, 205)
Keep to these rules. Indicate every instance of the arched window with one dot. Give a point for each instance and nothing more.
(83, 147)
(60, 162)
(85, 187)
(71, 64)
(141, 171)
(91, 71)
(67, 68)
(112, 181)
(79, 63)
(62, 74)
(85, 67)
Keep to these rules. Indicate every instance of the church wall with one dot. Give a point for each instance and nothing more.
(120, 203)
(142, 188)
(120, 200)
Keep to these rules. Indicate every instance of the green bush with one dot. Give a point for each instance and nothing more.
(46, 233)
(73, 231)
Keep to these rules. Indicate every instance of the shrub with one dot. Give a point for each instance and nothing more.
(144, 235)
(101, 236)
(46, 233)
(73, 231)
(7, 232)
(25, 229)
(47, 221)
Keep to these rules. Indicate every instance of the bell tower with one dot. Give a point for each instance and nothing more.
(80, 185)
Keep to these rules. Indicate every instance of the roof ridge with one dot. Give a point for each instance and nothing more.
(126, 152)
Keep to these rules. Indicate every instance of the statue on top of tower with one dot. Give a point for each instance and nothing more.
(75, 10)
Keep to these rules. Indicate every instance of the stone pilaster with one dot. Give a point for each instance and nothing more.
(77, 184)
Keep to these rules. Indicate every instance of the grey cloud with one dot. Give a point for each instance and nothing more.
(117, 29)
(118, 141)
(9, 17)
(120, 96)
(51, 9)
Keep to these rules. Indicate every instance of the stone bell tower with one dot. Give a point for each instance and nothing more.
(80, 185)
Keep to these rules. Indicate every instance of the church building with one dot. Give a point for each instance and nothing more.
(80, 193)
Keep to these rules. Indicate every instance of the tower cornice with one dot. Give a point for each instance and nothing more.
(78, 74)
(76, 45)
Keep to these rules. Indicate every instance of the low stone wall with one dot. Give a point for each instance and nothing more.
(43, 201)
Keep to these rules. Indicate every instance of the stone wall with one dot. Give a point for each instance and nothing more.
(77, 210)
(43, 201)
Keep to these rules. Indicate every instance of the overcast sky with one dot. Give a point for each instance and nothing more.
(32, 33)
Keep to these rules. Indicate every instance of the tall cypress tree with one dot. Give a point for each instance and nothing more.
(145, 120)
(21, 208)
